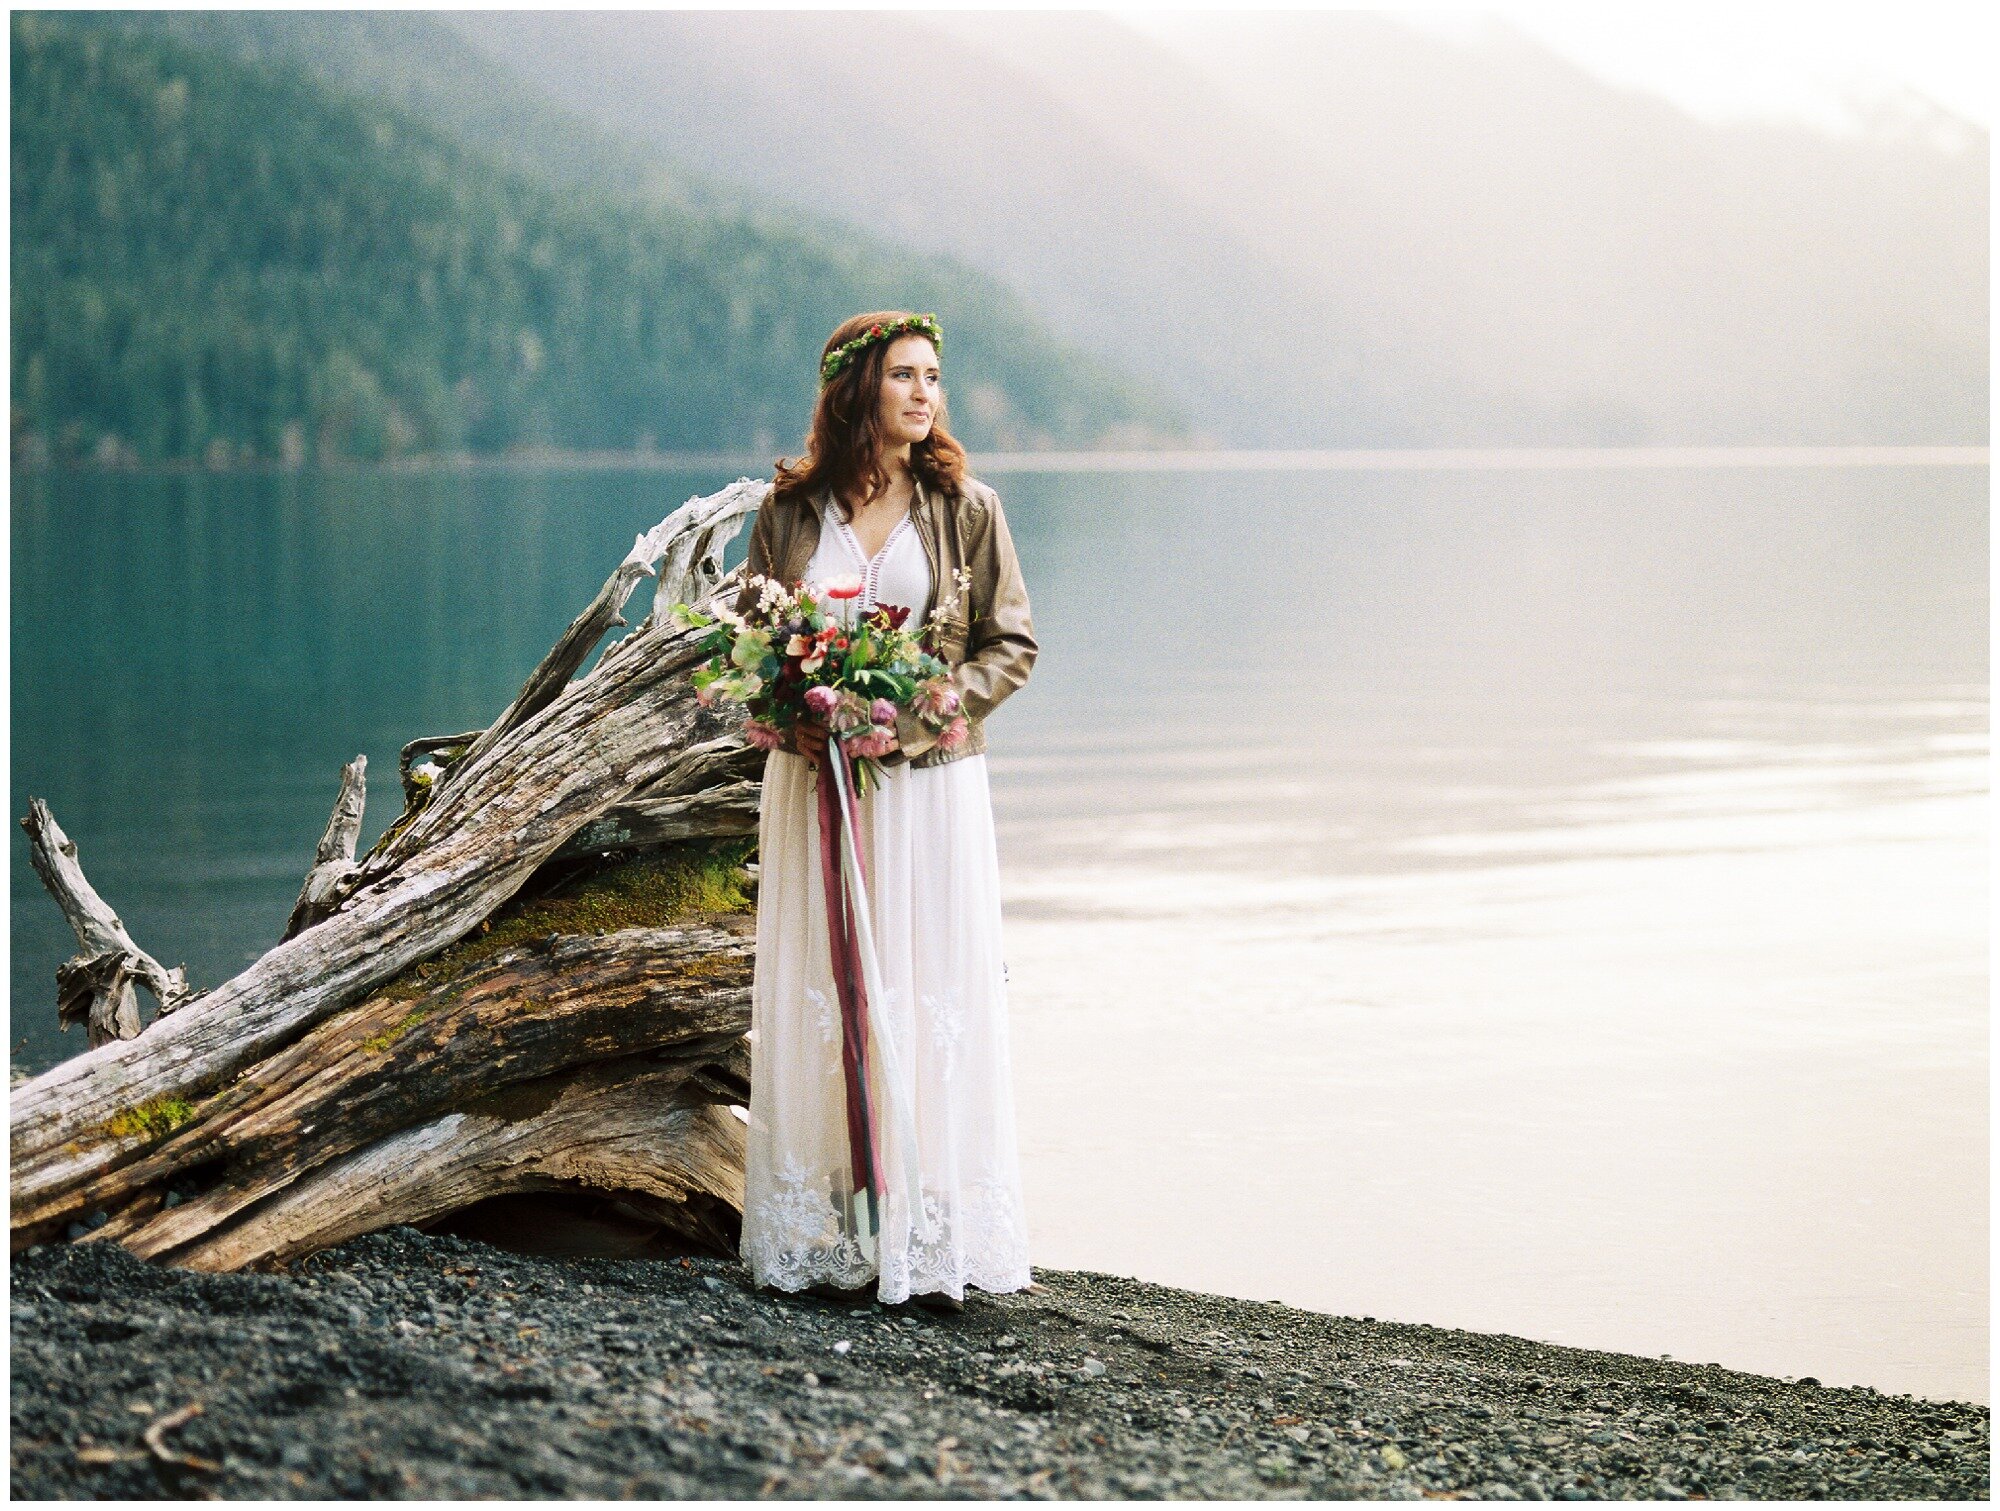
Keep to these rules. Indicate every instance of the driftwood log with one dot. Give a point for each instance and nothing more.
(536, 981)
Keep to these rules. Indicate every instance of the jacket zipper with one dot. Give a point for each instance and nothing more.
(923, 520)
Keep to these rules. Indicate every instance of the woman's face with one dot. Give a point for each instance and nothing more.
(911, 389)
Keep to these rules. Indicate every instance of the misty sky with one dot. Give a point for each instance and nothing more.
(1750, 60)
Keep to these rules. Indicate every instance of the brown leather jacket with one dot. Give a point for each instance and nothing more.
(987, 639)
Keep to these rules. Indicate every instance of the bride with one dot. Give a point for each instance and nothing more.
(882, 498)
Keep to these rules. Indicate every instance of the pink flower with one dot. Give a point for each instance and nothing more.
(844, 587)
(877, 742)
(882, 711)
(953, 734)
(763, 736)
(937, 698)
(705, 696)
(850, 714)
(822, 700)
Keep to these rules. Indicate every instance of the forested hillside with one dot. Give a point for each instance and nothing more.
(228, 261)
(415, 64)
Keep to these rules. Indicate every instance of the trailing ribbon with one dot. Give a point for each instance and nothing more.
(857, 980)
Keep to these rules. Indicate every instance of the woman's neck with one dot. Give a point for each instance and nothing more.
(895, 462)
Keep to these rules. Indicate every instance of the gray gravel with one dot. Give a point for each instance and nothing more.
(435, 1367)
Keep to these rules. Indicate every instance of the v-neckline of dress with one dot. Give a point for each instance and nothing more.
(869, 563)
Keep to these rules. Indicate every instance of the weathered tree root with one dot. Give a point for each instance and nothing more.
(95, 986)
(538, 980)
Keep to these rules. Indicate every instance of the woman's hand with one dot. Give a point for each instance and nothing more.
(813, 735)
(812, 740)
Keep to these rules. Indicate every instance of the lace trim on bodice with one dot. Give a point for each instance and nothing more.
(871, 566)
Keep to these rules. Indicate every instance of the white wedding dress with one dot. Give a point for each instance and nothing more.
(933, 882)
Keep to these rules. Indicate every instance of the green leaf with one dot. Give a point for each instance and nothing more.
(752, 646)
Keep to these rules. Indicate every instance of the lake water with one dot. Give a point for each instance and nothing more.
(1546, 902)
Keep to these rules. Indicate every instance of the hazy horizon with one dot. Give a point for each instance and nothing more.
(1740, 67)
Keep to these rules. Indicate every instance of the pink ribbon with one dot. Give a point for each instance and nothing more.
(849, 980)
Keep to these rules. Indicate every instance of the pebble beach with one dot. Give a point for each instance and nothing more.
(435, 1367)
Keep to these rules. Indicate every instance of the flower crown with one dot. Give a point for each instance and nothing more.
(924, 325)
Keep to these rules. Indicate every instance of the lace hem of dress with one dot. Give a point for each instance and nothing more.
(793, 1238)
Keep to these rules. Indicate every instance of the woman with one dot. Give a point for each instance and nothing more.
(882, 496)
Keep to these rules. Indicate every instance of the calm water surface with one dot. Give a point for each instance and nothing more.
(1550, 903)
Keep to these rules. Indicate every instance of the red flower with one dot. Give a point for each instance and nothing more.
(874, 330)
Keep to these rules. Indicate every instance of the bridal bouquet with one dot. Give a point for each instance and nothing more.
(803, 654)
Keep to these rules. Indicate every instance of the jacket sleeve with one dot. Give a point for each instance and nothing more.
(1000, 648)
(759, 558)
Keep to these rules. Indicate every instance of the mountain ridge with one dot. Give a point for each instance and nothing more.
(220, 259)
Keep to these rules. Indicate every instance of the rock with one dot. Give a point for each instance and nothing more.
(1274, 1466)
(1092, 1367)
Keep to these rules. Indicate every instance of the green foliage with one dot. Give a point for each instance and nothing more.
(223, 261)
(155, 1119)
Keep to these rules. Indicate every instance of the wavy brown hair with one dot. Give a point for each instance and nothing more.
(844, 442)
